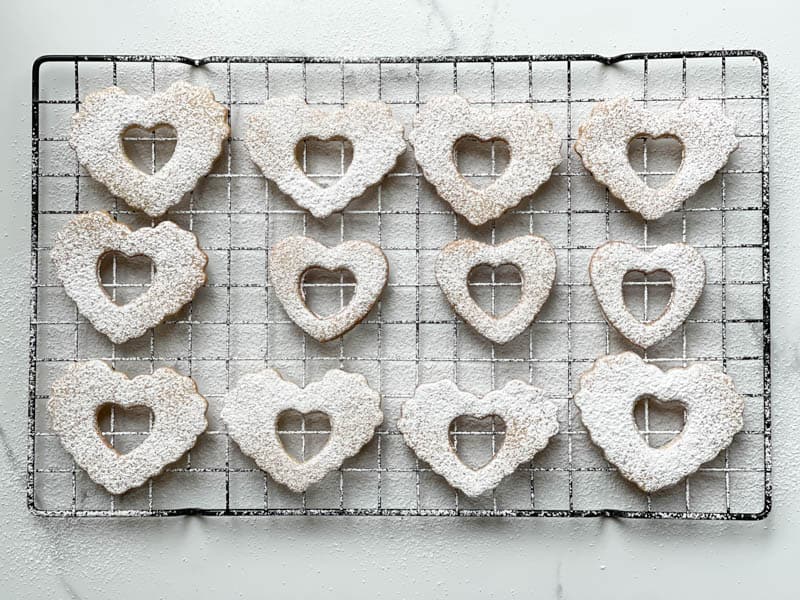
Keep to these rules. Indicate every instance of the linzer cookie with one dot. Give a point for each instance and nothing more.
(607, 269)
(607, 396)
(251, 411)
(274, 132)
(179, 416)
(201, 126)
(706, 134)
(533, 144)
(291, 258)
(425, 420)
(532, 255)
(179, 271)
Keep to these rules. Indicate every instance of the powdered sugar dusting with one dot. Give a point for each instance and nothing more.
(199, 121)
(608, 266)
(608, 394)
(251, 412)
(533, 143)
(707, 135)
(179, 271)
(178, 411)
(532, 255)
(274, 132)
(425, 421)
(292, 257)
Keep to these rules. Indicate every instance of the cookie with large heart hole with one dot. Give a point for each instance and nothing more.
(708, 137)
(274, 132)
(425, 420)
(607, 396)
(532, 255)
(291, 258)
(201, 126)
(252, 409)
(535, 150)
(607, 269)
(179, 270)
(179, 416)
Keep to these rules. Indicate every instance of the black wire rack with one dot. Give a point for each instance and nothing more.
(235, 325)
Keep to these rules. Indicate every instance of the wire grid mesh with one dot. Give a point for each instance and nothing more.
(235, 324)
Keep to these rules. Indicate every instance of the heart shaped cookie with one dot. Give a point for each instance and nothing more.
(608, 394)
(251, 412)
(534, 147)
(201, 125)
(274, 132)
(532, 255)
(426, 417)
(707, 135)
(291, 258)
(607, 269)
(179, 271)
(179, 416)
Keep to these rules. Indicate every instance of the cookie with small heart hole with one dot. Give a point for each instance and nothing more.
(707, 135)
(252, 409)
(179, 416)
(201, 126)
(607, 396)
(532, 255)
(292, 258)
(179, 271)
(425, 418)
(534, 147)
(607, 269)
(274, 132)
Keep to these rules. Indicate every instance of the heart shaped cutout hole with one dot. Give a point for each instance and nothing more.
(124, 277)
(327, 292)
(655, 159)
(476, 441)
(495, 290)
(324, 161)
(647, 295)
(150, 148)
(658, 422)
(303, 435)
(479, 161)
(123, 428)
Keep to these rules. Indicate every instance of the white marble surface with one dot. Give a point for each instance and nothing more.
(388, 557)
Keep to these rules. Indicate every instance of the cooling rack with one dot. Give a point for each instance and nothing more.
(235, 324)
